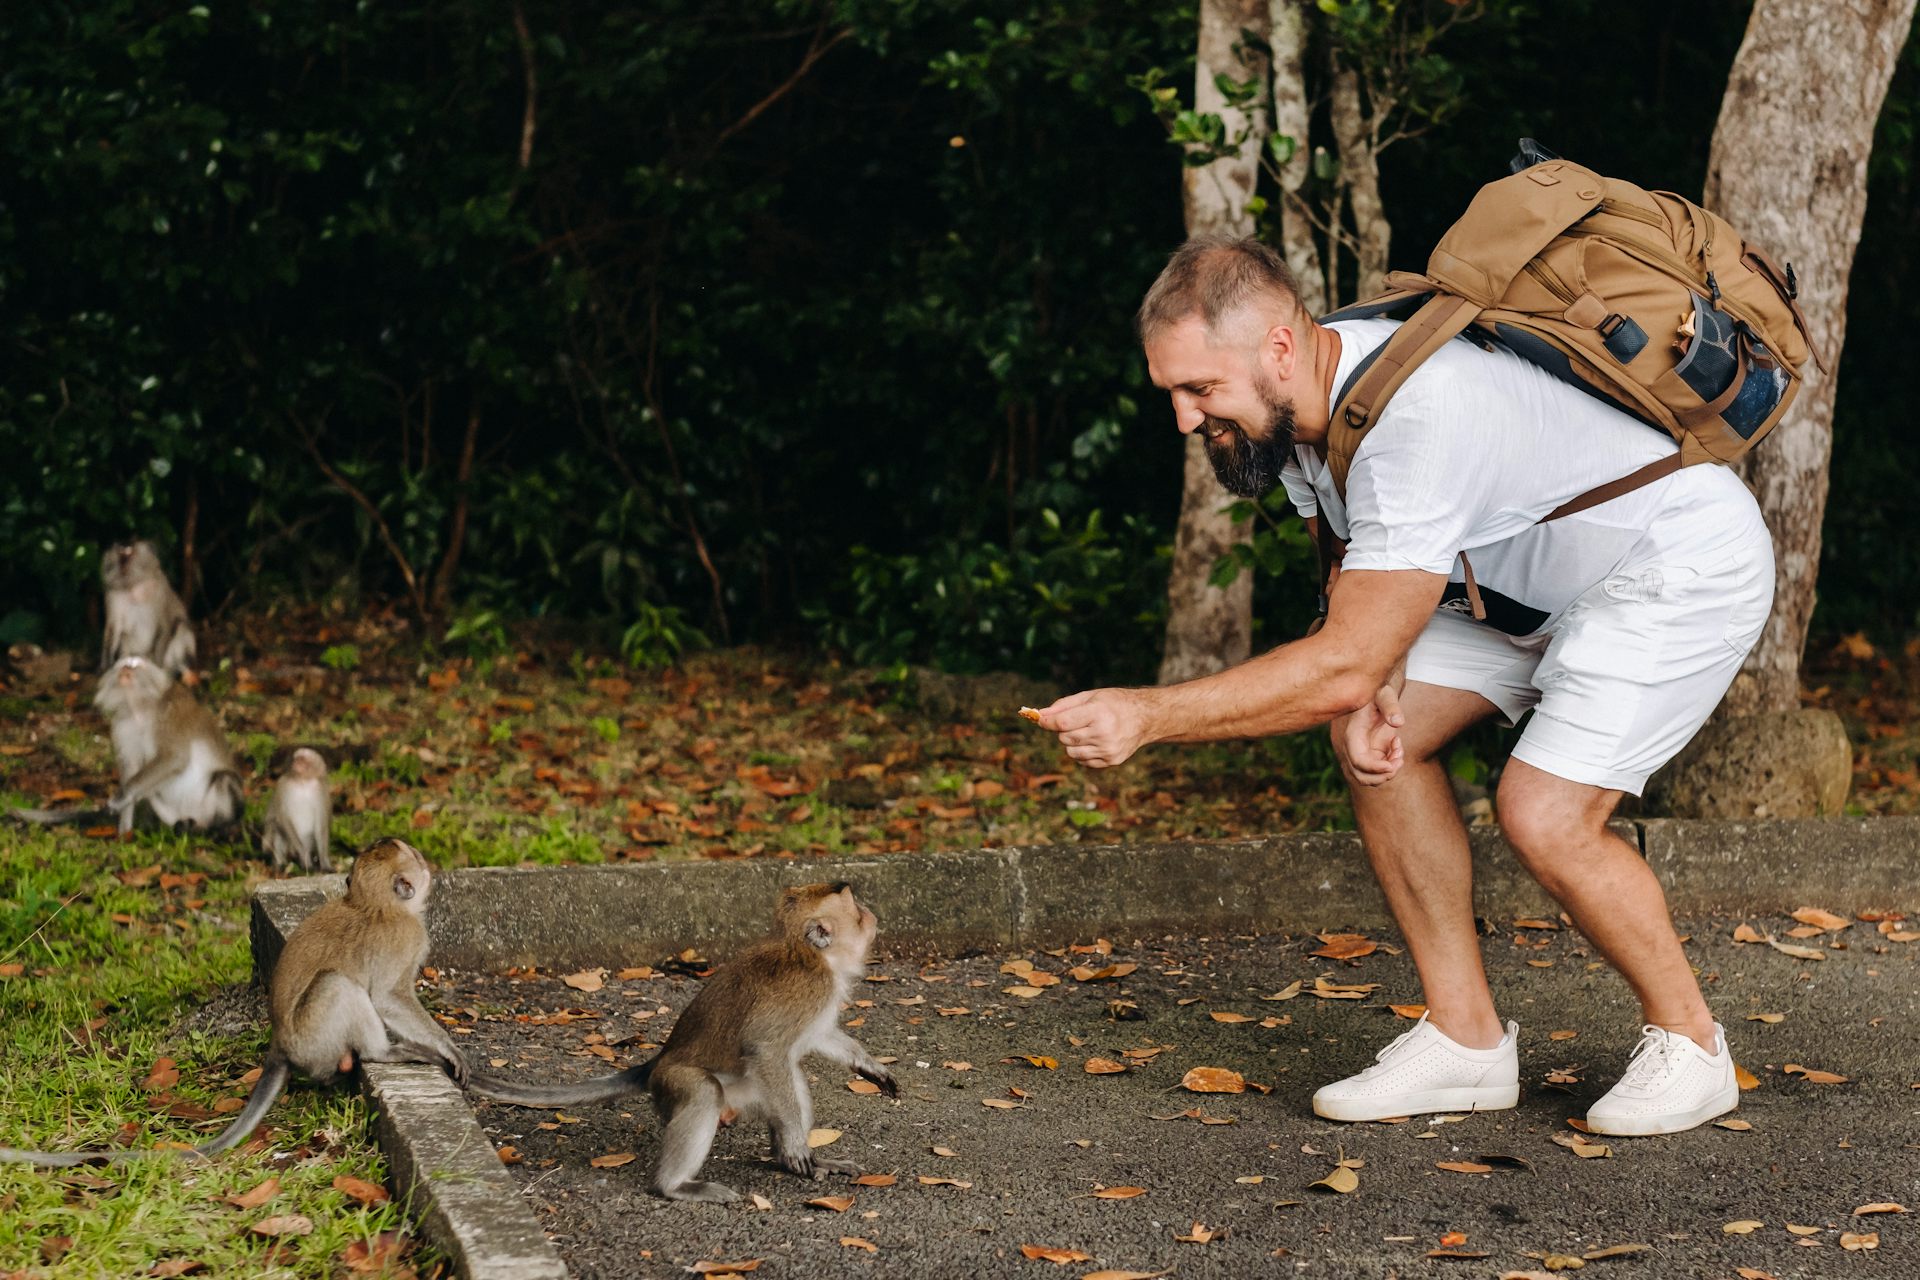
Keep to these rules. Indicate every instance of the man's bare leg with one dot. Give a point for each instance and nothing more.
(1559, 830)
(1418, 847)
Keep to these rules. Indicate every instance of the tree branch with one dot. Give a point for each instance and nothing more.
(366, 504)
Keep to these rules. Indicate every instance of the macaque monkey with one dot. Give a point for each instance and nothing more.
(145, 619)
(341, 993)
(300, 814)
(170, 751)
(738, 1046)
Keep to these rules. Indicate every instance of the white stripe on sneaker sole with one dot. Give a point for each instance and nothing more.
(1659, 1122)
(1354, 1110)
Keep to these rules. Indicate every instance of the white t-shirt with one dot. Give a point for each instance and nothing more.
(1473, 449)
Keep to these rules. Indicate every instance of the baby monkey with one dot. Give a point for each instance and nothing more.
(341, 993)
(145, 619)
(738, 1046)
(299, 816)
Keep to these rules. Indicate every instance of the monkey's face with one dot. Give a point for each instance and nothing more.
(125, 563)
(389, 872)
(128, 681)
(307, 763)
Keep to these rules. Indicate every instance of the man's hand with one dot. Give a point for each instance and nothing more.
(1101, 727)
(1374, 749)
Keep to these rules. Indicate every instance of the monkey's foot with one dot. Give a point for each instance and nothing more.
(821, 1166)
(711, 1192)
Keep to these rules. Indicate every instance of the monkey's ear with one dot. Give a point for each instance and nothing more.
(820, 933)
(402, 888)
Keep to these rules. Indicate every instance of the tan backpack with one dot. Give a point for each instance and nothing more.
(1641, 298)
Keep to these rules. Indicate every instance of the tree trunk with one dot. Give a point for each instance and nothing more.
(1789, 168)
(1354, 133)
(1291, 119)
(1210, 628)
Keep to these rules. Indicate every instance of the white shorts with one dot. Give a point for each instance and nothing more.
(1628, 673)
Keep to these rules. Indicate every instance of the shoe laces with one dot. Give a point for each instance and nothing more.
(1380, 1058)
(1655, 1058)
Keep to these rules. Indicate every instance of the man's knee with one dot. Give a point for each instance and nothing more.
(1548, 819)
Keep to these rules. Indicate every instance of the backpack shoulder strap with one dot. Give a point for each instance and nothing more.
(1366, 392)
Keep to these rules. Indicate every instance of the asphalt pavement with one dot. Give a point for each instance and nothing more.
(1234, 1198)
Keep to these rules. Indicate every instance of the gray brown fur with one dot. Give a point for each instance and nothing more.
(171, 753)
(145, 619)
(738, 1046)
(299, 817)
(342, 993)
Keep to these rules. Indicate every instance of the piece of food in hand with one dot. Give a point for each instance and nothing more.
(1031, 713)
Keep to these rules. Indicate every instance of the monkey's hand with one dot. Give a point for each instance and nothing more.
(1101, 727)
(878, 1074)
(457, 1068)
(1372, 735)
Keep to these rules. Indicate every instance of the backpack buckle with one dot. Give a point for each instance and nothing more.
(1356, 416)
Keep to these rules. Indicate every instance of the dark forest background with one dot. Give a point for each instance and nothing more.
(782, 322)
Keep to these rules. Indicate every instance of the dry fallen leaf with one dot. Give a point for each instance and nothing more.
(1213, 1080)
(1104, 1067)
(1821, 919)
(1463, 1166)
(586, 979)
(1287, 992)
(286, 1224)
(864, 1087)
(1000, 1104)
(1463, 1255)
(1745, 1078)
(1880, 1206)
(1768, 1018)
(1041, 1060)
(1119, 1193)
(1742, 1227)
(1342, 1180)
(1561, 1035)
(1738, 1126)
(1853, 1243)
(1025, 993)
(1199, 1233)
(1043, 1253)
(855, 1242)
(1615, 1251)
(509, 1155)
(839, 1204)
(817, 1138)
(928, 1181)
(875, 1180)
(1345, 946)
(707, 1267)
(1797, 952)
(1812, 1076)
(1802, 1231)
(364, 1192)
(1230, 1017)
(944, 1151)
(257, 1196)
(1414, 1011)
(613, 1160)
(171, 1267)
(1747, 933)
(1754, 1273)
(1126, 1275)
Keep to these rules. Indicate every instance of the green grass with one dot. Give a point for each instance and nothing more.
(139, 977)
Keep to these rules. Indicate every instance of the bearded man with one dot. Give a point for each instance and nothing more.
(1618, 627)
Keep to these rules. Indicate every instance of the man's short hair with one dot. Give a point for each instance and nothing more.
(1213, 276)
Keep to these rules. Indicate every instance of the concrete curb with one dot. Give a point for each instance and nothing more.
(491, 918)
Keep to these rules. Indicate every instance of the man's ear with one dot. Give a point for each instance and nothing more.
(1282, 348)
(819, 933)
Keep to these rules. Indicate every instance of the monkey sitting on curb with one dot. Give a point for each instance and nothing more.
(342, 993)
(738, 1046)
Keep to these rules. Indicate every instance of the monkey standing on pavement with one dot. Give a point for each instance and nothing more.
(145, 619)
(341, 993)
(299, 816)
(739, 1044)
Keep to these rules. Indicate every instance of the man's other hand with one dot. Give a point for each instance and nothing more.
(1099, 728)
(1374, 750)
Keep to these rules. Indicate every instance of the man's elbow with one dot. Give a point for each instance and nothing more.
(1351, 690)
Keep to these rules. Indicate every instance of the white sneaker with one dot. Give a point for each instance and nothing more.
(1424, 1071)
(1671, 1084)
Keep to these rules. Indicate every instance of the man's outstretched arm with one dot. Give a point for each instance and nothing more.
(1373, 619)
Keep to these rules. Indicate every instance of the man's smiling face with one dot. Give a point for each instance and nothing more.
(1224, 391)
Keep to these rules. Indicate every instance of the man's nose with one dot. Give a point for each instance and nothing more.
(1187, 417)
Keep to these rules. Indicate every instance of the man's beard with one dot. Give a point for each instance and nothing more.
(1249, 468)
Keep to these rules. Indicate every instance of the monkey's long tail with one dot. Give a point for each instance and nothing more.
(604, 1089)
(60, 818)
(273, 1078)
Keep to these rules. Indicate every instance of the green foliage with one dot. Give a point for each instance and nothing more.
(1038, 608)
(660, 634)
(341, 657)
(479, 634)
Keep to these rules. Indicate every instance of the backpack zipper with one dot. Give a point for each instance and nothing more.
(1549, 280)
(1632, 212)
(1671, 265)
